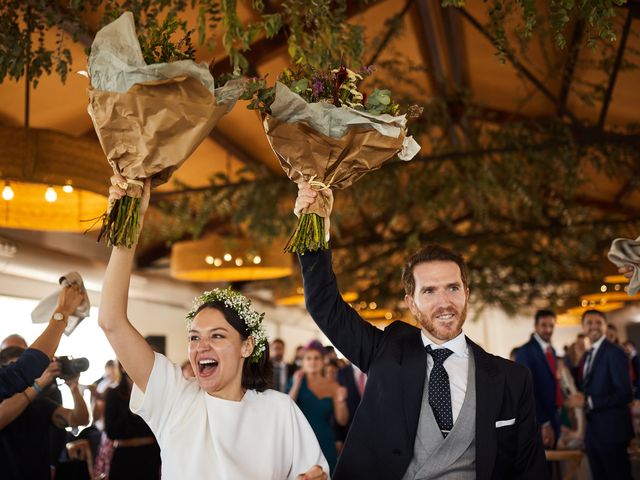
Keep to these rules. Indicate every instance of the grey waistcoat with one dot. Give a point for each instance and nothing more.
(448, 458)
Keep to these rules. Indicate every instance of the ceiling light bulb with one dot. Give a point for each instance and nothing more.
(7, 192)
(217, 262)
(227, 257)
(209, 259)
(239, 262)
(603, 288)
(50, 195)
(67, 188)
(257, 259)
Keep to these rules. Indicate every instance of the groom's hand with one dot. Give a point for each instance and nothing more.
(307, 197)
(314, 473)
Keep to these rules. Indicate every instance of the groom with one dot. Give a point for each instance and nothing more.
(436, 405)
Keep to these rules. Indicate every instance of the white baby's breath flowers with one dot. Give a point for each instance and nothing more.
(242, 306)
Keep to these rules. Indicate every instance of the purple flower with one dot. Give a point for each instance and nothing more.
(367, 70)
(318, 87)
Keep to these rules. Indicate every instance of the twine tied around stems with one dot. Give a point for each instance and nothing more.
(133, 187)
(317, 183)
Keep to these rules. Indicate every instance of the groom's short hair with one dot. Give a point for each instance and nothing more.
(432, 253)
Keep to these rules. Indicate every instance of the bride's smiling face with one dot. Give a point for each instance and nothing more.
(217, 353)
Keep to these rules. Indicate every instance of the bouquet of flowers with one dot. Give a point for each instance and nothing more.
(151, 106)
(325, 130)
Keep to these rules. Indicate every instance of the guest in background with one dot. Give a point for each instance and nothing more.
(187, 369)
(330, 371)
(539, 356)
(634, 367)
(354, 380)
(25, 418)
(136, 453)
(19, 375)
(606, 394)
(330, 354)
(513, 353)
(281, 371)
(612, 334)
(297, 361)
(320, 399)
(575, 355)
(14, 340)
(109, 379)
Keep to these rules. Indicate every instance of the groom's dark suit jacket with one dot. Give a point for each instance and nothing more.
(381, 439)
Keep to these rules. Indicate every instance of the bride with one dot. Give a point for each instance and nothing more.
(225, 423)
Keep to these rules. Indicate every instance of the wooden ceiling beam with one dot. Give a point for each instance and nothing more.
(616, 68)
(570, 65)
(524, 71)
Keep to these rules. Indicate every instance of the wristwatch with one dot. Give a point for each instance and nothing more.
(58, 316)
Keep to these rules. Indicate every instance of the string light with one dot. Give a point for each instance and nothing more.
(50, 195)
(7, 192)
(67, 188)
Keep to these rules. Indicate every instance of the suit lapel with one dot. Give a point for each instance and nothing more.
(541, 355)
(414, 371)
(489, 392)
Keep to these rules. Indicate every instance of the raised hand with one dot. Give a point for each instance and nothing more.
(307, 197)
(626, 270)
(69, 299)
(118, 189)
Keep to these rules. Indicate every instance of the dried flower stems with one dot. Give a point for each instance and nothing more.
(308, 236)
(120, 225)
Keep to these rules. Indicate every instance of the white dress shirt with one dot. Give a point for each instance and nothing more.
(594, 350)
(456, 366)
(543, 345)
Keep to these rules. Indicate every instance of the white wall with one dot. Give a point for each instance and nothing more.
(498, 332)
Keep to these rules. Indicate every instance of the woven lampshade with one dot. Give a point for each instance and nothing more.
(296, 298)
(32, 160)
(217, 259)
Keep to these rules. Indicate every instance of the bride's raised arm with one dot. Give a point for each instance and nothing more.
(131, 348)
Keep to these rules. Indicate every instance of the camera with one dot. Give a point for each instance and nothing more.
(72, 366)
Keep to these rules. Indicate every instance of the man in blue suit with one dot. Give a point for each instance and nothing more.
(606, 394)
(540, 358)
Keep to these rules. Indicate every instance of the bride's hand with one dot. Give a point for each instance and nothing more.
(118, 190)
(314, 473)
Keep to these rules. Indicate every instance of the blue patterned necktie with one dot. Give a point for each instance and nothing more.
(440, 390)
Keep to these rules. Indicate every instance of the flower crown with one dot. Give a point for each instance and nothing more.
(242, 306)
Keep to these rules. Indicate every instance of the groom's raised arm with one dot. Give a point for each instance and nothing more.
(353, 336)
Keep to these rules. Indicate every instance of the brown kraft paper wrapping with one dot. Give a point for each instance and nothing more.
(337, 163)
(150, 130)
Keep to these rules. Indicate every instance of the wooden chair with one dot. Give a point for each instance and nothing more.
(572, 459)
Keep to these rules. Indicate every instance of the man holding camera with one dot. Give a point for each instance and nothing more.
(25, 419)
(18, 375)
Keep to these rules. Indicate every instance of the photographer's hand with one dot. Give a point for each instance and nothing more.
(73, 382)
(53, 370)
